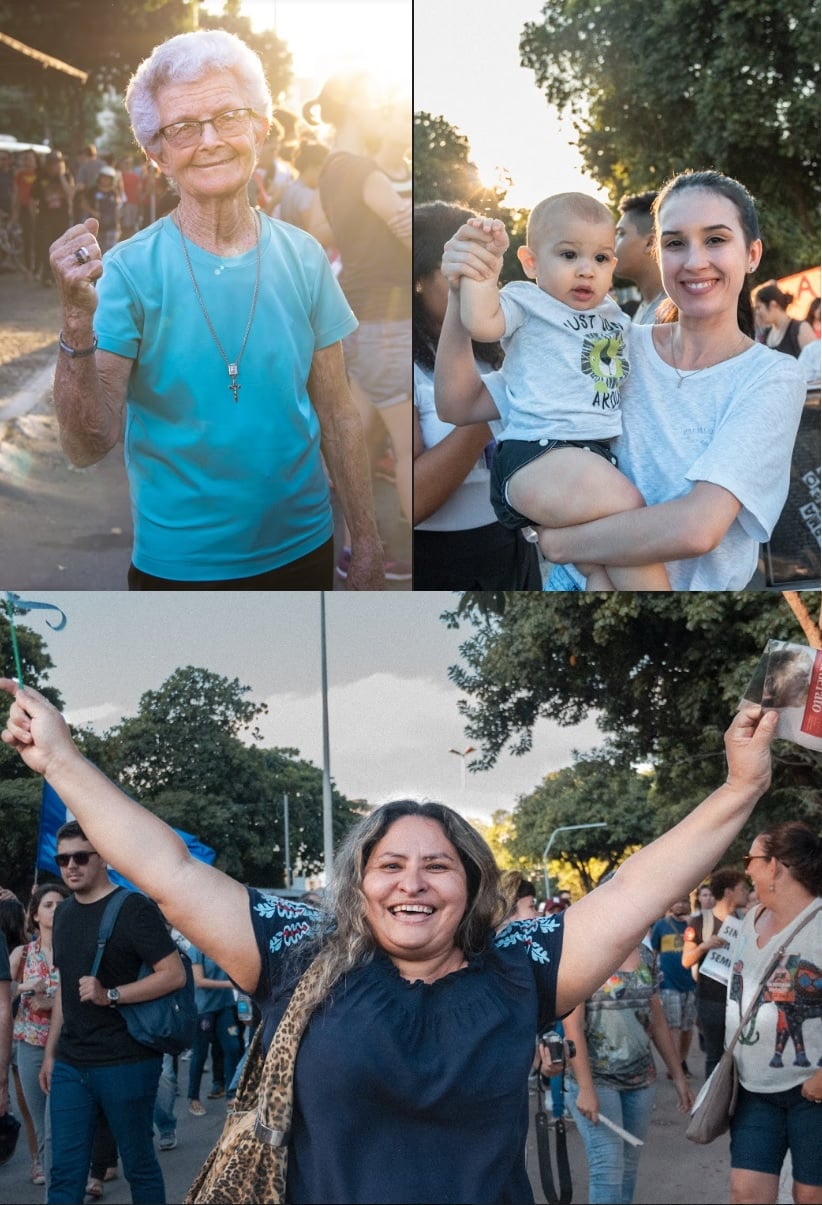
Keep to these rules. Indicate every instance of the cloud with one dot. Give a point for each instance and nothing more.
(391, 737)
(103, 715)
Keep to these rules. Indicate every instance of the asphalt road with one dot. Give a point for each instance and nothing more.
(672, 1171)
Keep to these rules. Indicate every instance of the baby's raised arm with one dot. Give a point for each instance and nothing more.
(472, 261)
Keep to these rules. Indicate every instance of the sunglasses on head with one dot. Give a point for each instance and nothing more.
(80, 858)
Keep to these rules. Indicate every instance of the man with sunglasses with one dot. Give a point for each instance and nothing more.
(91, 1062)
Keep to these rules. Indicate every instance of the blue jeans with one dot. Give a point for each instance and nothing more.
(125, 1093)
(222, 1025)
(612, 1162)
(164, 1118)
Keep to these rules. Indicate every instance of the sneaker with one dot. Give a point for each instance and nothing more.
(167, 1142)
(196, 1109)
(37, 1174)
(386, 468)
(94, 1188)
(398, 571)
(216, 1092)
(343, 563)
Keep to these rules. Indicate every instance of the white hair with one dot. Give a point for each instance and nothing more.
(184, 59)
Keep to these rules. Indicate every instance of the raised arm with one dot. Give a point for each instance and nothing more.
(440, 470)
(479, 298)
(665, 870)
(460, 396)
(202, 902)
(89, 390)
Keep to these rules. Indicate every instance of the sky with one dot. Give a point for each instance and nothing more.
(467, 70)
(327, 36)
(393, 715)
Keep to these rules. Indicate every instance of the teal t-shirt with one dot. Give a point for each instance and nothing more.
(219, 489)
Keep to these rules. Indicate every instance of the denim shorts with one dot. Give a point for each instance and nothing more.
(378, 358)
(513, 454)
(766, 1125)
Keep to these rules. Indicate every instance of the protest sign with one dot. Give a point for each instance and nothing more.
(717, 963)
(788, 679)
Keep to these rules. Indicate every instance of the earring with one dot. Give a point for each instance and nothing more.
(772, 887)
(418, 287)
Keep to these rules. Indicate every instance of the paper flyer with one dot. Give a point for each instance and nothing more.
(788, 679)
(717, 963)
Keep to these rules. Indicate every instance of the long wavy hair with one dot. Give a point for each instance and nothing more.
(346, 940)
(726, 186)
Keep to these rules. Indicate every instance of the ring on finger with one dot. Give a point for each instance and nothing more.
(81, 255)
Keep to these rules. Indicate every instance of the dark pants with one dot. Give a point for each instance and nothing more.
(222, 1025)
(711, 1015)
(314, 571)
(482, 558)
(125, 1093)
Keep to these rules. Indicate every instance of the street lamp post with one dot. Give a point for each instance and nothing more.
(328, 831)
(462, 754)
(563, 828)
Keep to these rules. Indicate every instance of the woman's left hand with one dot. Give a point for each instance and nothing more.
(748, 749)
(686, 1096)
(812, 1088)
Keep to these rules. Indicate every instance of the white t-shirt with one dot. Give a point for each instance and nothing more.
(563, 368)
(780, 1021)
(734, 425)
(470, 504)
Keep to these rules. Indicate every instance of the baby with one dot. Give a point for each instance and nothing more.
(565, 362)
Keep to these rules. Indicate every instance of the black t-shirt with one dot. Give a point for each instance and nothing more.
(95, 1036)
(376, 265)
(709, 989)
(5, 970)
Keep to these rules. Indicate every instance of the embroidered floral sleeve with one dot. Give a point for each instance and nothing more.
(538, 936)
(288, 921)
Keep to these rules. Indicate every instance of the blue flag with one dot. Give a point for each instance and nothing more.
(53, 813)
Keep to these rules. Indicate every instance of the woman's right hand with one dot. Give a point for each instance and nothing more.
(588, 1103)
(35, 728)
(475, 251)
(75, 279)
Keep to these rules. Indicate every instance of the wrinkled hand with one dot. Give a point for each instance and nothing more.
(35, 728)
(367, 568)
(92, 991)
(475, 251)
(748, 749)
(76, 280)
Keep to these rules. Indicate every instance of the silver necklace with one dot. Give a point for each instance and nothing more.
(232, 366)
(686, 376)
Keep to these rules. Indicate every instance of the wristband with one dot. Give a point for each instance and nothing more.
(77, 352)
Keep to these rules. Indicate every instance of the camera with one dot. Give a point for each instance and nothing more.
(554, 1044)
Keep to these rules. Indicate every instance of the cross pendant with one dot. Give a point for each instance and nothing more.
(233, 384)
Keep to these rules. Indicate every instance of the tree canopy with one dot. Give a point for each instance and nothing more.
(108, 41)
(663, 673)
(191, 754)
(693, 84)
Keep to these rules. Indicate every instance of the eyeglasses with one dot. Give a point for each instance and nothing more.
(186, 133)
(80, 858)
(748, 858)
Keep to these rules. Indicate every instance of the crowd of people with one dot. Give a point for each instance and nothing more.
(248, 220)
(503, 466)
(424, 957)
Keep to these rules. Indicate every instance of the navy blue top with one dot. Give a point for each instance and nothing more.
(412, 1092)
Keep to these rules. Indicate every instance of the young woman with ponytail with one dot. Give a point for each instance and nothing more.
(709, 415)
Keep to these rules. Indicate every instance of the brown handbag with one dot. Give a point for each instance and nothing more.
(250, 1161)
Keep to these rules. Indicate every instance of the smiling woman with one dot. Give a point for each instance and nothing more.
(226, 426)
(411, 1078)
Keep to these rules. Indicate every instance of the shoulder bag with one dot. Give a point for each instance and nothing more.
(716, 1103)
(166, 1024)
(250, 1161)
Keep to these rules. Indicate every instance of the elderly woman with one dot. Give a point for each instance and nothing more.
(218, 331)
(411, 1078)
